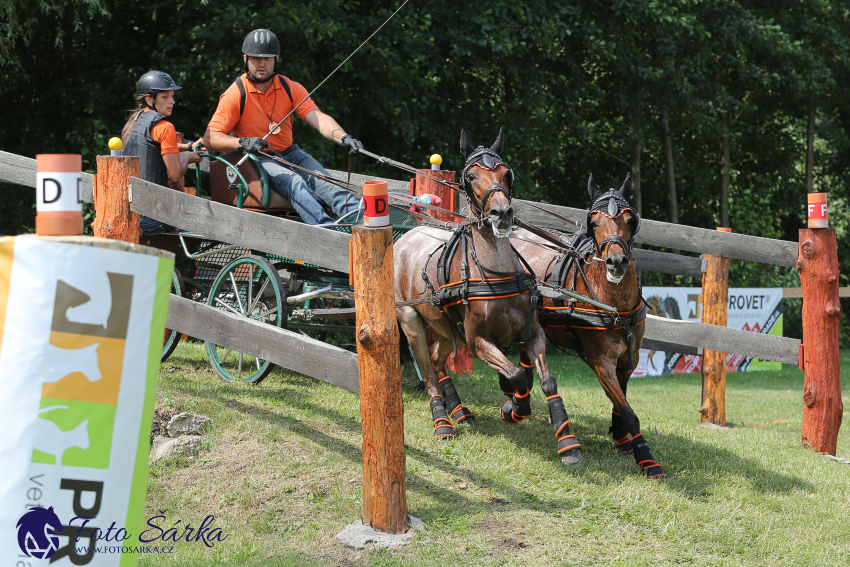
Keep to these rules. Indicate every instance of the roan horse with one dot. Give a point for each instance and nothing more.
(481, 296)
(611, 348)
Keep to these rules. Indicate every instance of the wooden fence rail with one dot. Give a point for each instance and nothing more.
(724, 339)
(285, 348)
(273, 235)
(679, 237)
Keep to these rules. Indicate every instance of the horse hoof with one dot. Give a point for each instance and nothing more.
(470, 421)
(572, 458)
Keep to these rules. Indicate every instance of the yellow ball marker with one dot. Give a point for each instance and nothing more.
(115, 145)
(436, 160)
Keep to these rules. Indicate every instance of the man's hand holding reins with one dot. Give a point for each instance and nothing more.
(351, 144)
(253, 145)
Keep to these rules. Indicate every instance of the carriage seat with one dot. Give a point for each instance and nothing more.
(221, 178)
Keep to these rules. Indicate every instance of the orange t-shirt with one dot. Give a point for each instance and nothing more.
(164, 133)
(261, 109)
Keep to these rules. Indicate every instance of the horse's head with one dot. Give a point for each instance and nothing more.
(612, 224)
(488, 182)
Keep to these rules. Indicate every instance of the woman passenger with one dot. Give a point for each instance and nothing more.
(150, 136)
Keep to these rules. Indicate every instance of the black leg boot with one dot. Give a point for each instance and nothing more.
(457, 411)
(443, 427)
(644, 458)
(568, 445)
(619, 433)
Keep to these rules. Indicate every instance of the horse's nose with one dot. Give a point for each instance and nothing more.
(618, 263)
(502, 214)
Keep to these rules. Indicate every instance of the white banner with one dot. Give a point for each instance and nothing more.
(81, 331)
(751, 309)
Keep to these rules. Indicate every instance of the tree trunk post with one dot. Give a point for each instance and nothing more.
(113, 218)
(381, 407)
(715, 297)
(817, 261)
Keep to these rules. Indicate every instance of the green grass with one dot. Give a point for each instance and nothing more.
(281, 471)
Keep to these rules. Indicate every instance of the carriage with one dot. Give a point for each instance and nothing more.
(284, 292)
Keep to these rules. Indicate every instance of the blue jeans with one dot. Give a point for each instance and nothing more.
(309, 196)
(153, 226)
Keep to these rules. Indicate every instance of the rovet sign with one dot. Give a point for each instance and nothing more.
(81, 331)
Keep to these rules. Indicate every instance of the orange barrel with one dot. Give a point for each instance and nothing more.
(59, 206)
(377, 212)
(817, 211)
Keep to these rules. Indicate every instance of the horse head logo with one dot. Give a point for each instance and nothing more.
(37, 532)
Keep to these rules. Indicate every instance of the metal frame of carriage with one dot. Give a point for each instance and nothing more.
(250, 283)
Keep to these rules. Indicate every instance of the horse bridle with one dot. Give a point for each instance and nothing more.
(487, 159)
(612, 204)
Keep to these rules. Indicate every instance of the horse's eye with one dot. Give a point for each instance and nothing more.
(594, 225)
(470, 177)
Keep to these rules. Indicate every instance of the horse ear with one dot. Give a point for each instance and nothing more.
(626, 189)
(592, 189)
(465, 147)
(499, 144)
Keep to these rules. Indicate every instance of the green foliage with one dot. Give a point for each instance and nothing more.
(579, 87)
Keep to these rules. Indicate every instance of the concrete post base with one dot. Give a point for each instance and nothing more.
(358, 535)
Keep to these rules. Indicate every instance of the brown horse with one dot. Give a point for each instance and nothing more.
(483, 298)
(611, 348)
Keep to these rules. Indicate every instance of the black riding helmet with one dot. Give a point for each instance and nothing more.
(154, 82)
(261, 43)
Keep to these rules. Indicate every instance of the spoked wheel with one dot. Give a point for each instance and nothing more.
(250, 287)
(172, 337)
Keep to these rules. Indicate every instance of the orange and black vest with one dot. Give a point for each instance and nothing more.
(141, 143)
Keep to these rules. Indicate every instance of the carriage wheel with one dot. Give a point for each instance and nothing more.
(172, 337)
(338, 332)
(250, 287)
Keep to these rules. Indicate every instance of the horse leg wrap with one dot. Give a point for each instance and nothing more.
(561, 424)
(644, 458)
(619, 433)
(505, 385)
(529, 373)
(457, 411)
(442, 424)
(517, 408)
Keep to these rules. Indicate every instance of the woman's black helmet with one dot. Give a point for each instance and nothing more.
(154, 82)
(261, 43)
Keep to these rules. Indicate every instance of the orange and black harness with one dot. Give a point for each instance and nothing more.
(571, 317)
(448, 294)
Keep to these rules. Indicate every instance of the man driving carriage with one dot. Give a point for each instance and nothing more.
(251, 107)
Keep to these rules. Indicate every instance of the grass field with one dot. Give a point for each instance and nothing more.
(281, 471)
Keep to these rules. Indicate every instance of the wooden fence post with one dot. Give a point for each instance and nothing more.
(113, 218)
(381, 407)
(715, 297)
(818, 264)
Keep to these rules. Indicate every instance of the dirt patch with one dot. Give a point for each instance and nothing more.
(507, 545)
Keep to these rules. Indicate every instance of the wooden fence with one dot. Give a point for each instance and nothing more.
(330, 249)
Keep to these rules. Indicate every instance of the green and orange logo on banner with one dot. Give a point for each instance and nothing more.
(81, 327)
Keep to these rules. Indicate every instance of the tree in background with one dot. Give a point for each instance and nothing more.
(724, 111)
